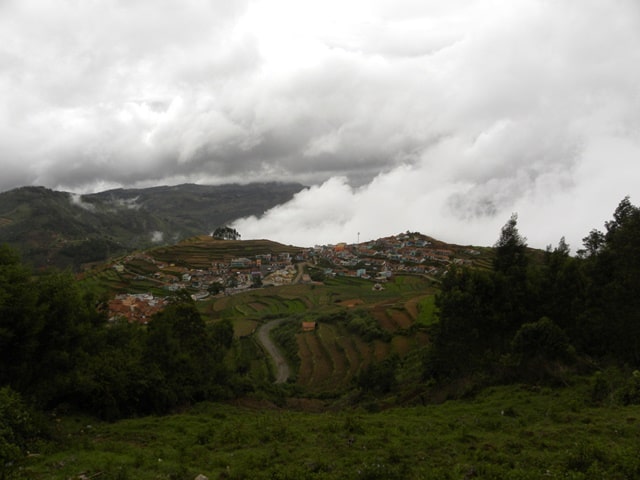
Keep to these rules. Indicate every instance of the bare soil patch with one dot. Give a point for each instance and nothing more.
(379, 312)
(400, 317)
(352, 302)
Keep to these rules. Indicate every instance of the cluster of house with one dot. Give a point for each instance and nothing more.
(138, 307)
(221, 278)
(377, 260)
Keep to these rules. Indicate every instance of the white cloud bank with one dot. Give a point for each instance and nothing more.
(441, 117)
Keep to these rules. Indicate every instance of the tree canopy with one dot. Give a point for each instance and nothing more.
(226, 233)
(526, 311)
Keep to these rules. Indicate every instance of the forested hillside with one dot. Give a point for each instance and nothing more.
(528, 321)
(62, 229)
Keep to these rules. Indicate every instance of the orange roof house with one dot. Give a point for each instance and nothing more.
(309, 326)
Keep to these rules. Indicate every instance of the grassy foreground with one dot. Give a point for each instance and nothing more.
(511, 432)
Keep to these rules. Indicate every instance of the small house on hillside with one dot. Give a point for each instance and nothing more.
(309, 326)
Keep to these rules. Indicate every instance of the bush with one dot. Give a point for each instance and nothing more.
(367, 327)
(17, 428)
(542, 338)
(629, 393)
(379, 377)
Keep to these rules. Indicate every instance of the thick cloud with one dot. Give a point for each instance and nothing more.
(442, 117)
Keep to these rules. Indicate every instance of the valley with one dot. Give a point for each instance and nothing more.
(402, 357)
(366, 302)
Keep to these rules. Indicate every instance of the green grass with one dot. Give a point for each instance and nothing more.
(505, 433)
(427, 311)
(243, 327)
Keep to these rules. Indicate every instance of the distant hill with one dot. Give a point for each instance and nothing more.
(62, 229)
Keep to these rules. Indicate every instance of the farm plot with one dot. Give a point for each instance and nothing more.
(328, 362)
(305, 372)
(243, 327)
(221, 304)
(388, 322)
(329, 340)
(112, 280)
(381, 350)
(365, 350)
(321, 362)
(140, 266)
(274, 304)
(400, 317)
(257, 303)
(244, 310)
(414, 305)
(426, 308)
(401, 345)
(353, 358)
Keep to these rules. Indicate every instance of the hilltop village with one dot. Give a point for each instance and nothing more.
(377, 261)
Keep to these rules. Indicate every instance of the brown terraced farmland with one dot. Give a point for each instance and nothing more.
(200, 251)
(392, 316)
(400, 317)
(358, 325)
(329, 359)
(379, 312)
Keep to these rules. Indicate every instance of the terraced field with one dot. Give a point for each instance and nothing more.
(201, 251)
(393, 316)
(357, 325)
(244, 327)
(330, 358)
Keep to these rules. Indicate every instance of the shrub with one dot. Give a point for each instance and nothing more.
(629, 393)
(542, 338)
(17, 428)
(367, 327)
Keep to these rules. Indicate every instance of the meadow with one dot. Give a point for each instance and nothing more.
(514, 432)
(337, 418)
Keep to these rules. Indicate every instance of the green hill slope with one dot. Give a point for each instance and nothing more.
(53, 228)
(506, 433)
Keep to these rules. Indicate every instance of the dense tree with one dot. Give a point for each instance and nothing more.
(615, 285)
(226, 233)
(117, 382)
(17, 429)
(535, 310)
(69, 327)
(47, 327)
(562, 289)
(378, 377)
(20, 321)
(56, 347)
(542, 339)
(215, 288)
(188, 354)
(222, 333)
(593, 244)
(511, 250)
(514, 300)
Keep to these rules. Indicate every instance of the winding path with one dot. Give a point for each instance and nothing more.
(282, 367)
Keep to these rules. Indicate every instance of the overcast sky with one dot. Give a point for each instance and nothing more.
(436, 116)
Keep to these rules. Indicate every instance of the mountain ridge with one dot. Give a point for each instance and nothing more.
(65, 229)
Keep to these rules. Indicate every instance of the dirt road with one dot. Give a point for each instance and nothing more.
(282, 367)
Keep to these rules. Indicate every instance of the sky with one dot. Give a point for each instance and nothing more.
(399, 115)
